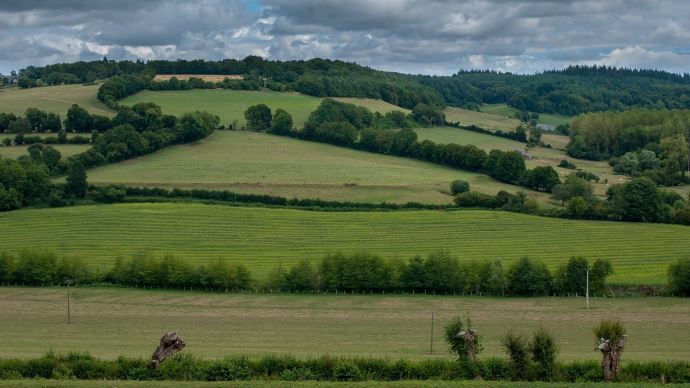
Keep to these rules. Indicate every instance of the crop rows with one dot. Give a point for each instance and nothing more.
(264, 238)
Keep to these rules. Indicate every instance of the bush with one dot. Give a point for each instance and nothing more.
(565, 163)
(517, 349)
(297, 374)
(544, 350)
(459, 186)
(679, 277)
(475, 199)
(346, 371)
(611, 330)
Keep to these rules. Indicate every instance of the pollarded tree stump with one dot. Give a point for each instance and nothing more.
(469, 336)
(170, 344)
(611, 353)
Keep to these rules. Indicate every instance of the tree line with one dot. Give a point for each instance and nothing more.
(438, 272)
(571, 91)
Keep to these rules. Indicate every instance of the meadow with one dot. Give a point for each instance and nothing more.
(542, 156)
(66, 150)
(260, 163)
(507, 111)
(108, 322)
(230, 105)
(56, 99)
(264, 238)
(483, 120)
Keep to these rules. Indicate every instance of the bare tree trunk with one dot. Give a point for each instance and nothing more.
(611, 353)
(170, 344)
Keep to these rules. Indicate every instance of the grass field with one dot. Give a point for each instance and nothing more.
(542, 156)
(261, 163)
(264, 238)
(230, 105)
(57, 99)
(109, 322)
(65, 149)
(507, 111)
(480, 119)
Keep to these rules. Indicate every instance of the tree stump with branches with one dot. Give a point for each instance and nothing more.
(170, 344)
(470, 338)
(611, 352)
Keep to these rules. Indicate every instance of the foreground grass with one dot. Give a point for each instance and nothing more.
(108, 322)
(57, 99)
(230, 105)
(266, 164)
(263, 238)
(307, 384)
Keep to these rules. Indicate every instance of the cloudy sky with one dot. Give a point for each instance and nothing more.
(416, 36)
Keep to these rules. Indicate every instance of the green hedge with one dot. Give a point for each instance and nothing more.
(185, 366)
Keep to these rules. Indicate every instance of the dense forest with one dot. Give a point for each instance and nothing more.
(640, 142)
(574, 90)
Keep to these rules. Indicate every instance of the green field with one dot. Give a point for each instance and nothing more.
(264, 238)
(109, 322)
(65, 149)
(542, 156)
(55, 99)
(261, 163)
(230, 105)
(483, 120)
(507, 111)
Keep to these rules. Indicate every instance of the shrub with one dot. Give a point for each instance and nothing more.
(544, 350)
(228, 369)
(459, 186)
(517, 349)
(475, 199)
(565, 163)
(297, 374)
(346, 371)
(679, 277)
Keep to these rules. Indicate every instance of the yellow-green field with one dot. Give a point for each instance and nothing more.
(263, 238)
(261, 163)
(230, 105)
(108, 322)
(483, 120)
(57, 99)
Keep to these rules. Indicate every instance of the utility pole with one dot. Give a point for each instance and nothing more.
(69, 320)
(587, 289)
(431, 349)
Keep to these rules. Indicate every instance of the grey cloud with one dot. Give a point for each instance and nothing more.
(428, 36)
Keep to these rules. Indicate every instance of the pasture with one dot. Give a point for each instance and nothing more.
(263, 238)
(542, 156)
(108, 322)
(481, 119)
(66, 150)
(230, 105)
(507, 111)
(56, 99)
(267, 164)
